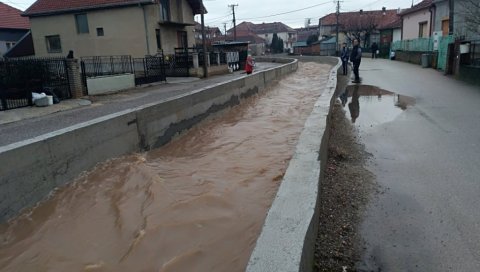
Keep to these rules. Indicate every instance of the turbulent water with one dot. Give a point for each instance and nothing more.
(195, 204)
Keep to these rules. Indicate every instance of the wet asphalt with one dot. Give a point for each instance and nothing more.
(426, 158)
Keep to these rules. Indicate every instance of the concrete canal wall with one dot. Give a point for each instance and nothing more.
(31, 169)
(287, 241)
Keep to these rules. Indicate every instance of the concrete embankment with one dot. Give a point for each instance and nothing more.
(31, 169)
(287, 241)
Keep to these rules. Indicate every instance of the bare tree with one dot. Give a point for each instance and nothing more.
(470, 11)
(358, 26)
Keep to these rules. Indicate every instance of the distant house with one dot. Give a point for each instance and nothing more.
(112, 27)
(363, 25)
(13, 27)
(211, 34)
(304, 32)
(417, 20)
(266, 32)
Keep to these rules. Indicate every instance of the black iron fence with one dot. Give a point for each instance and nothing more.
(149, 69)
(20, 77)
(106, 65)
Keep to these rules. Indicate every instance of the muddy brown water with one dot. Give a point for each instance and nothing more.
(195, 204)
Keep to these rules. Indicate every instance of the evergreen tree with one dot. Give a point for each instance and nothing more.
(280, 45)
(274, 44)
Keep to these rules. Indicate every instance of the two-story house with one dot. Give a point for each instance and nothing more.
(13, 27)
(112, 27)
(417, 21)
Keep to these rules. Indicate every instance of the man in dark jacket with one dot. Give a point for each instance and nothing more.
(356, 58)
(374, 50)
(344, 57)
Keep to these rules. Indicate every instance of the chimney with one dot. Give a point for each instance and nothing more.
(384, 9)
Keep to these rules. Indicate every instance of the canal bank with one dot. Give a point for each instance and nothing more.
(62, 155)
(306, 155)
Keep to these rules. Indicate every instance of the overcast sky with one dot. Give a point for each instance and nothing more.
(257, 11)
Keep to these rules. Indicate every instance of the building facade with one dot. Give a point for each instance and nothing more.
(13, 27)
(135, 28)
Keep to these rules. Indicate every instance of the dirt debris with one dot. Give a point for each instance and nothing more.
(345, 190)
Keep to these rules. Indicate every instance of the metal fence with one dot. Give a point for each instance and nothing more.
(20, 77)
(474, 54)
(418, 45)
(96, 66)
(149, 69)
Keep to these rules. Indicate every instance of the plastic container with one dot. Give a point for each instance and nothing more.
(50, 99)
(41, 102)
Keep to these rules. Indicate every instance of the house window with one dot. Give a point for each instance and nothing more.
(159, 41)
(182, 39)
(82, 23)
(53, 44)
(10, 45)
(100, 31)
(422, 29)
(165, 9)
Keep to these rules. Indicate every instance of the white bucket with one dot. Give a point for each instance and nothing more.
(50, 99)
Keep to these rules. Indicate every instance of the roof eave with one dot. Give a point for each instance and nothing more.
(73, 10)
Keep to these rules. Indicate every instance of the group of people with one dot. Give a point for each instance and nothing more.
(355, 56)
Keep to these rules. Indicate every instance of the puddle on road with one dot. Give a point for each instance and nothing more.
(196, 204)
(368, 106)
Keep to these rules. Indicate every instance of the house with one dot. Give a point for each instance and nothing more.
(211, 34)
(417, 20)
(13, 27)
(441, 18)
(303, 33)
(266, 32)
(112, 27)
(363, 25)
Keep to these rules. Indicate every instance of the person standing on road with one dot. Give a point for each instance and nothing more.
(356, 58)
(374, 50)
(249, 64)
(344, 57)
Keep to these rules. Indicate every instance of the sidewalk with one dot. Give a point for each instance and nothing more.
(25, 123)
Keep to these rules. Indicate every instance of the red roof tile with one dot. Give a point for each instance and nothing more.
(47, 7)
(263, 28)
(41, 7)
(10, 17)
(347, 20)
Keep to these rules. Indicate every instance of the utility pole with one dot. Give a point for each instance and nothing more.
(234, 22)
(337, 15)
(204, 44)
(225, 29)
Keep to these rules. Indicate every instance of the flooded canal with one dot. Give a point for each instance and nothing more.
(195, 204)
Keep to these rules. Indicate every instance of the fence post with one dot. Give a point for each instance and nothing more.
(195, 60)
(208, 59)
(75, 78)
(218, 58)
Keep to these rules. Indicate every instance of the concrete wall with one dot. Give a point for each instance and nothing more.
(62, 155)
(108, 84)
(411, 24)
(397, 35)
(287, 241)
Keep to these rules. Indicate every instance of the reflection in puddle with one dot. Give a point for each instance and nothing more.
(378, 106)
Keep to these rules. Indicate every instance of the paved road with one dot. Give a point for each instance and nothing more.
(427, 163)
(104, 105)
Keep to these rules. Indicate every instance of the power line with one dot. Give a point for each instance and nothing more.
(292, 11)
